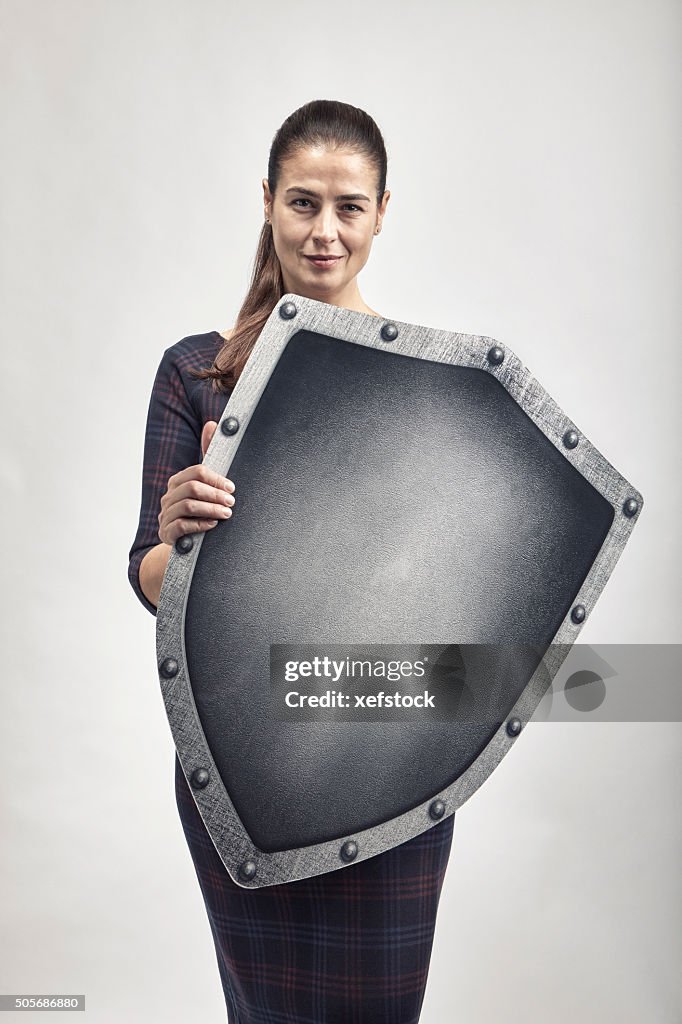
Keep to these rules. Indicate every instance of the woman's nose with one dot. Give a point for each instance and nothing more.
(324, 227)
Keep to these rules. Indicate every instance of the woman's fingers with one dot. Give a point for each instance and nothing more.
(194, 508)
(197, 499)
(210, 503)
(203, 474)
(179, 527)
(197, 492)
(207, 433)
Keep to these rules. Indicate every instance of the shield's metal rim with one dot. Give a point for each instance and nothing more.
(478, 351)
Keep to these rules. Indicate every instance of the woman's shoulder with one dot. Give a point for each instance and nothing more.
(194, 351)
(180, 360)
(193, 346)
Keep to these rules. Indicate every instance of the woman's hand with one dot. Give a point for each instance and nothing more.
(196, 498)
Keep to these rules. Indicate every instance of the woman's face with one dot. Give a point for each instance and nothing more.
(325, 205)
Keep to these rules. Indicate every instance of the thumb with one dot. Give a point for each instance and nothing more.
(207, 433)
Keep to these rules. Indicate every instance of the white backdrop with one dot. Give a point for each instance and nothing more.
(534, 164)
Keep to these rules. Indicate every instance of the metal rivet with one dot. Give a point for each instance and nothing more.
(631, 507)
(495, 355)
(184, 544)
(513, 726)
(199, 778)
(389, 332)
(349, 851)
(437, 809)
(288, 311)
(570, 439)
(578, 613)
(247, 869)
(169, 668)
(230, 425)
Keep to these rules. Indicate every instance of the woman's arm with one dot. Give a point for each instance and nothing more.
(172, 442)
(181, 420)
(151, 572)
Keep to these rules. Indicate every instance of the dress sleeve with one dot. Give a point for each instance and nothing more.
(172, 442)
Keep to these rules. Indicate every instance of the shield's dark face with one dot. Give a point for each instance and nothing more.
(388, 492)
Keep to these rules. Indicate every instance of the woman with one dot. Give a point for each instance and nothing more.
(352, 945)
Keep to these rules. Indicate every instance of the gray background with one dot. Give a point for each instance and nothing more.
(534, 164)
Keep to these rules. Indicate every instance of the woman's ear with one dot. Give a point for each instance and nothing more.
(267, 200)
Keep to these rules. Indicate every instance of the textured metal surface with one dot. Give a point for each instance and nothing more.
(396, 485)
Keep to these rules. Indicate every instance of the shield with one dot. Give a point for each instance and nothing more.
(398, 487)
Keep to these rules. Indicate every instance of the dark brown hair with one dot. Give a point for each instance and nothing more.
(327, 123)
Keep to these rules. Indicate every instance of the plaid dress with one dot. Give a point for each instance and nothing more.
(348, 947)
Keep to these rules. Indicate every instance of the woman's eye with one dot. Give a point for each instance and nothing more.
(346, 205)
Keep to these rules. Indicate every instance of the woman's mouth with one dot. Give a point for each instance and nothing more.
(325, 262)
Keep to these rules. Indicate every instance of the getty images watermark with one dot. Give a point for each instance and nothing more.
(474, 683)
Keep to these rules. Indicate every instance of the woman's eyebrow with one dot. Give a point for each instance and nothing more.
(316, 195)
